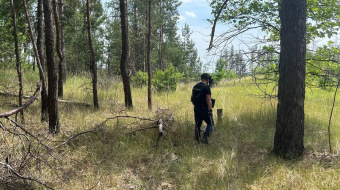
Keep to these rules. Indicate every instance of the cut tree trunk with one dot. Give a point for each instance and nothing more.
(288, 142)
(93, 65)
(51, 70)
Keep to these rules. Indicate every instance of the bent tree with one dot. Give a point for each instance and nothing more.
(288, 141)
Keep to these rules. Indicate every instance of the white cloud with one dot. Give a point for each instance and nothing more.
(191, 14)
(181, 18)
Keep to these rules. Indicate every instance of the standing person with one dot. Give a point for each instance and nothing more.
(201, 98)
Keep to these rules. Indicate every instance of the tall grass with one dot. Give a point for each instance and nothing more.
(238, 156)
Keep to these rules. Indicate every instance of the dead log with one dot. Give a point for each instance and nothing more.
(61, 101)
(25, 105)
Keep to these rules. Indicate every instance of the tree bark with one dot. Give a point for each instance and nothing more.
(17, 56)
(59, 51)
(288, 142)
(51, 70)
(148, 56)
(130, 63)
(125, 50)
(62, 38)
(161, 31)
(93, 66)
(44, 114)
(40, 29)
(137, 61)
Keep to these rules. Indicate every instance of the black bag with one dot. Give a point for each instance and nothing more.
(212, 103)
(196, 97)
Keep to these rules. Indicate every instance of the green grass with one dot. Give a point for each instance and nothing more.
(238, 156)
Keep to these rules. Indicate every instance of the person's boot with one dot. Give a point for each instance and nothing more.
(205, 139)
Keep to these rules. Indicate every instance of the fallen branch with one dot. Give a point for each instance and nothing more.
(75, 103)
(97, 127)
(142, 129)
(29, 102)
(23, 177)
(61, 101)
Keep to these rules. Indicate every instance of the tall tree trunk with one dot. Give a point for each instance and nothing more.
(131, 64)
(137, 61)
(17, 56)
(93, 66)
(148, 56)
(40, 29)
(44, 114)
(59, 51)
(125, 50)
(145, 40)
(288, 142)
(161, 35)
(51, 70)
(62, 38)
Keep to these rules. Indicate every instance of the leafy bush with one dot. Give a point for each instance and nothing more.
(140, 80)
(167, 79)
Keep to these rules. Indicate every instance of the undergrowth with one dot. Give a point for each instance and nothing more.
(238, 156)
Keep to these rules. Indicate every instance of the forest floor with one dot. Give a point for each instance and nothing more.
(237, 157)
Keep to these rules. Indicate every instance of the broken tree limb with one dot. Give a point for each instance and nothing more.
(98, 126)
(25, 105)
(75, 103)
(61, 101)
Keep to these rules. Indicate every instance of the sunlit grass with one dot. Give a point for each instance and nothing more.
(238, 156)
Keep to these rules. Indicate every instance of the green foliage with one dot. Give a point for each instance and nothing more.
(166, 80)
(76, 37)
(140, 80)
(322, 16)
(323, 68)
(224, 74)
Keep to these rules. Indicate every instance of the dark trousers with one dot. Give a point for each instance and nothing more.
(201, 114)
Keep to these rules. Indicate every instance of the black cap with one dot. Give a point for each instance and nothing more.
(205, 76)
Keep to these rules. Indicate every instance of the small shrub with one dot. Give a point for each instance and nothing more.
(140, 80)
(167, 79)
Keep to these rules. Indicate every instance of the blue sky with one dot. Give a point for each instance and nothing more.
(195, 13)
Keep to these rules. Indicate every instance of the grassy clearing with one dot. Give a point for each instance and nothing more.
(238, 156)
